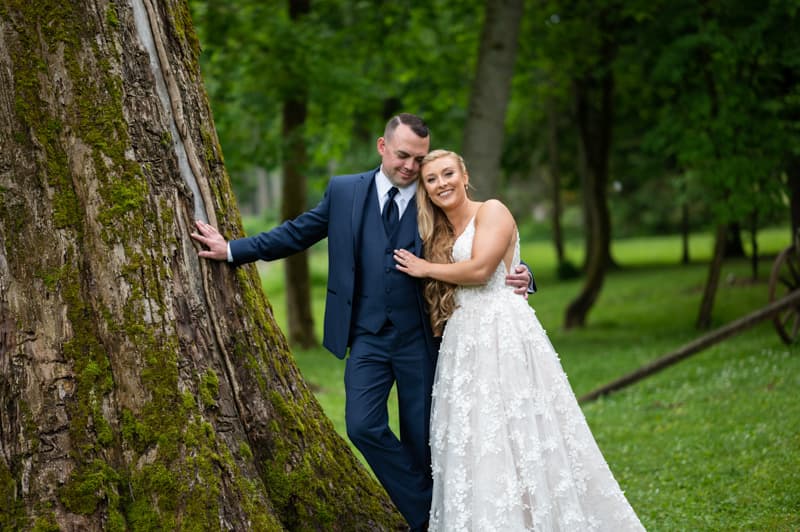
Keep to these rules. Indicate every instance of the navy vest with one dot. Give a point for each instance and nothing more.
(382, 293)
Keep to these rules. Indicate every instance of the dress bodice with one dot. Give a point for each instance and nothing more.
(462, 250)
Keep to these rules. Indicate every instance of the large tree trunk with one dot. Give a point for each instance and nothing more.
(140, 388)
(594, 109)
(491, 89)
(296, 273)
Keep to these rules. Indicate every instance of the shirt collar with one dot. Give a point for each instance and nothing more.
(382, 184)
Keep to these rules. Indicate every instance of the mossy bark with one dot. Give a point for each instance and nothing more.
(140, 389)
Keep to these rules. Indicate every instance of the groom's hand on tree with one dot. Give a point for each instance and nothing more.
(212, 239)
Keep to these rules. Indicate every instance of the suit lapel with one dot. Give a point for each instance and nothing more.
(411, 210)
(360, 191)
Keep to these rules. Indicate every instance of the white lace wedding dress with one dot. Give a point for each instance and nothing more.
(510, 446)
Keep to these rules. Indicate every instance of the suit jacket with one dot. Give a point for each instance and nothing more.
(337, 216)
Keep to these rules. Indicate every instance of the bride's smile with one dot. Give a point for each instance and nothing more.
(445, 183)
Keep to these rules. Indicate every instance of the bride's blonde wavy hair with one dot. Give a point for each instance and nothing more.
(438, 238)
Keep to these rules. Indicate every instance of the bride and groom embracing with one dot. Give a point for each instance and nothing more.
(491, 435)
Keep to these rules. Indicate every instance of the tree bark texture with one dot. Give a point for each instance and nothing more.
(297, 276)
(140, 387)
(491, 89)
(594, 95)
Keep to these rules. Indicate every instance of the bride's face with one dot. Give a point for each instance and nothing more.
(445, 181)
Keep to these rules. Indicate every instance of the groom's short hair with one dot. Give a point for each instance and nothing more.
(414, 122)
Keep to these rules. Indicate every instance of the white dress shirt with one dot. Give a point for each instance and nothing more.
(402, 198)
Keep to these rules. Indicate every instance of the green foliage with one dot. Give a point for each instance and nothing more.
(722, 92)
(705, 97)
(357, 65)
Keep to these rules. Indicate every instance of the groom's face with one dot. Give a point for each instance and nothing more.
(401, 155)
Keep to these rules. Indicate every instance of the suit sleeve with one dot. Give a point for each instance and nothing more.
(286, 239)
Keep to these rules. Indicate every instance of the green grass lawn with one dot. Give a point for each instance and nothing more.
(711, 443)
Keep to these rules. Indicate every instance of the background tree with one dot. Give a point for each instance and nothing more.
(295, 110)
(484, 130)
(141, 388)
(719, 72)
(589, 48)
(537, 156)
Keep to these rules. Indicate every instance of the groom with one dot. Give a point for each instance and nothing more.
(372, 308)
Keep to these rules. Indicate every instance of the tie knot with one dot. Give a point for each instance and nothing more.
(393, 192)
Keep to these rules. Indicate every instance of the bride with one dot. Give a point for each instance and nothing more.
(511, 449)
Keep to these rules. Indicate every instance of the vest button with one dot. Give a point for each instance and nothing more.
(388, 250)
(388, 270)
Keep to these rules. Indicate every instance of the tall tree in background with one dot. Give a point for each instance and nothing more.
(244, 92)
(594, 95)
(594, 112)
(276, 52)
(141, 388)
(491, 87)
(539, 124)
(295, 164)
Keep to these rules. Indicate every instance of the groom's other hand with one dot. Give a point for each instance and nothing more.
(212, 239)
(520, 279)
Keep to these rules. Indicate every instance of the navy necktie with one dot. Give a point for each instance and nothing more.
(390, 212)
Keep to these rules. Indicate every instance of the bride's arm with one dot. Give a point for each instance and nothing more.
(494, 229)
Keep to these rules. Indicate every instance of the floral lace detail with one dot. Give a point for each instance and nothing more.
(511, 448)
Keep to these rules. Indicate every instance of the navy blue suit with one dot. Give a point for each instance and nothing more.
(379, 313)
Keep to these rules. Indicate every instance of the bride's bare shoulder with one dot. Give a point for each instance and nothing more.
(495, 211)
